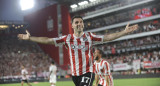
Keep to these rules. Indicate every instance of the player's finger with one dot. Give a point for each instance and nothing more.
(27, 32)
(19, 35)
(127, 25)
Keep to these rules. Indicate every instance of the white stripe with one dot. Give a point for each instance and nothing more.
(70, 53)
(101, 81)
(83, 57)
(104, 83)
(76, 56)
(89, 54)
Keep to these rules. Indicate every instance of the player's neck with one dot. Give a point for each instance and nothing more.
(78, 34)
(98, 60)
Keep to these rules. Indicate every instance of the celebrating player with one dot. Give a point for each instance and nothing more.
(79, 48)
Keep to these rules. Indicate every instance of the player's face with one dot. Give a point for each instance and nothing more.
(96, 55)
(78, 25)
(22, 67)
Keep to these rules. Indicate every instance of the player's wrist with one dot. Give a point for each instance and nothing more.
(125, 32)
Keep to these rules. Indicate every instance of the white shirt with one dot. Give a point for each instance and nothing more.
(53, 70)
(24, 72)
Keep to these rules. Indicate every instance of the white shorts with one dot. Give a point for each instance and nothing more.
(52, 79)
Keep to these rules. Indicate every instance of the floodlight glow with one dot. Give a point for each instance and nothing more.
(26, 4)
(83, 3)
(73, 6)
(92, 0)
(4, 26)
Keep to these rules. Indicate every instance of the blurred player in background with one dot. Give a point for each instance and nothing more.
(103, 75)
(24, 73)
(52, 74)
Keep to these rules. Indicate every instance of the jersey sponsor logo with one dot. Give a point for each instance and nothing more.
(76, 47)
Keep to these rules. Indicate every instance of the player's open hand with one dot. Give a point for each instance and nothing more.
(132, 28)
(24, 36)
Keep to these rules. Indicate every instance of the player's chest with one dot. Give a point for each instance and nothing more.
(79, 43)
(100, 69)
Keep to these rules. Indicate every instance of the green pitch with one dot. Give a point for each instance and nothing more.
(117, 82)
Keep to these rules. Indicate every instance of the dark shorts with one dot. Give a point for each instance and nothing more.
(84, 80)
(99, 85)
(26, 81)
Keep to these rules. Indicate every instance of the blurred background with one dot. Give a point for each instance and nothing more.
(136, 55)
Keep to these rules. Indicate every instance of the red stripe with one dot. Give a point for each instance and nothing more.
(73, 57)
(111, 82)
(106, 66)
(101, 62)
(94, 38)
(79, 56)
(93, 67)
(103, 82)
(61, 40)
(87, 56)
(91, 56)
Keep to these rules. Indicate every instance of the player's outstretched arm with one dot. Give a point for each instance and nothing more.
(43, 40)
(110, 37)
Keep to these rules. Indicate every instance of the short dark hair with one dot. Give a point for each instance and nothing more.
(76, 16)
(100, 51)
(52, 62)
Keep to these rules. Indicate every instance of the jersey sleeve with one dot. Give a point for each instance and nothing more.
(106, 68)
(96, 38)
(59, 40)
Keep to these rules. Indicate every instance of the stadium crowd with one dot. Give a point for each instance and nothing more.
(144, 49)
(143, 27)
(106, 6)
(138, 42)
(15, 53)
(122, 17)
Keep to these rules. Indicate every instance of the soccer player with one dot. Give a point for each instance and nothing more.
(52, 74)
(79, 46)
(103, 76)
(24, 73)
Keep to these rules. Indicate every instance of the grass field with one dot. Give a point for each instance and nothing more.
(117, 82)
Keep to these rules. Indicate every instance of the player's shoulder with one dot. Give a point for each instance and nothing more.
(105, 61)
(95, 62)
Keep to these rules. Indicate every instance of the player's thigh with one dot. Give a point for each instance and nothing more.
(76, 80)
(87, 79)
(100, 85)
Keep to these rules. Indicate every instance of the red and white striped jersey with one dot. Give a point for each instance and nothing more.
(80, 52)
(102, 69)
